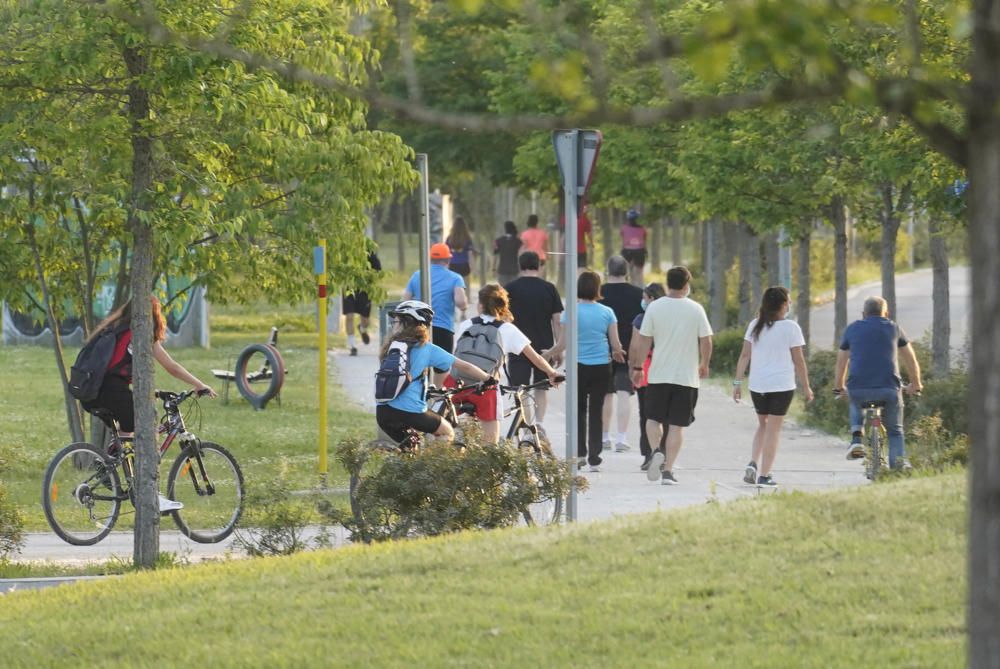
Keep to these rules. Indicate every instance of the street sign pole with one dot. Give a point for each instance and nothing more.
(425, 229)
(576, 151)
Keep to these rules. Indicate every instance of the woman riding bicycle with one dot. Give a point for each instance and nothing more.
(115, 394)
(409, 409)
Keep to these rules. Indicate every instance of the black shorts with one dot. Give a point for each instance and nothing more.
(772, 404)
(671, 404)
(635, 257)
(443, 338)
(521, 372)
(115, 396)
(620, 380)
(395, 422)
(581, 259)
(461, 268)
(358, 303)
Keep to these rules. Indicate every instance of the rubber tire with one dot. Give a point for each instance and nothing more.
(260, 400)
(47, 481)
(543, 450)
(196, 535)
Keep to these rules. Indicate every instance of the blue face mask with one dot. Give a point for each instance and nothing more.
(643, 304)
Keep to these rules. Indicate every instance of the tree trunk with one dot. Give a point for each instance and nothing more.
(717, 275)
(122, 289)
(605, 218)
(771, 260)
(656, 245)
(147, 516)
(838, 218)
(74, 419)
(747, 240)
(676, 237)
(803, 297)
(402, 210)
(984, 387)
(940, 294)
(890, 229)
(756, 277)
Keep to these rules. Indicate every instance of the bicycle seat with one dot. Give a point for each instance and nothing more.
(878, 404)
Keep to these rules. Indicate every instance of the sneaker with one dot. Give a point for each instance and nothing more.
(169, 505)
(644, 467)
(750, 475)
(767, 482)
(655, 462)
(667, 478)
(622, 447)
(855, 451)
(365, 338)
(606, 445)
(581, 463)
(354, 351)
(902, 465)
(595, 468)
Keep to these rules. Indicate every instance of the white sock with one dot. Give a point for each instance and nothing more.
(351, 341)
(605, 436)
(621, 438)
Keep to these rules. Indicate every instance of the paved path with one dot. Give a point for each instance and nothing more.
(913, 304)
(710, 466)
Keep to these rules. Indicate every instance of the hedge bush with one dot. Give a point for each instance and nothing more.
(726, 347)
(11, 523)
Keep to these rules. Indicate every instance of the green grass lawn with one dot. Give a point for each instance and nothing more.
(866, 577)
(34, 425)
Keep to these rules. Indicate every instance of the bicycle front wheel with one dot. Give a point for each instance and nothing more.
(544, 511)
(81, 494)
(207, 480)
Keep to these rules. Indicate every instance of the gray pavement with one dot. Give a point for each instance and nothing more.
(710, 466)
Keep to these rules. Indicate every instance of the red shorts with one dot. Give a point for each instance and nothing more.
(485, 403)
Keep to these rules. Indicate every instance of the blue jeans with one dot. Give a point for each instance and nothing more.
(892, 415)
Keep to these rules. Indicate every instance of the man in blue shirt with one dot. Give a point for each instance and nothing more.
(447, 293)
(874, 347)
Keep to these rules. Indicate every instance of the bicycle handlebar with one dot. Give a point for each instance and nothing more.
(543, 384)
(177, 398)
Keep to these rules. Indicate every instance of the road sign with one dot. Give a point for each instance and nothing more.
(588, 145)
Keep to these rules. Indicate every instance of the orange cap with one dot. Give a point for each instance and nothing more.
(440, 251)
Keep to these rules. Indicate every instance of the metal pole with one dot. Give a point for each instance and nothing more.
(320, 268)
(570, 331)
(425, 230)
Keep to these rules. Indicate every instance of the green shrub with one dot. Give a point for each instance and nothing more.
(947, 398)
(11, 523)
(726, 347)
(276, 519)
(825, 411)
(930, 445)
(442, 489)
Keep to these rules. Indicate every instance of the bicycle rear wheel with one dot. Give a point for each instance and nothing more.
(81, 494)
(208, 481)
(540, 458)
(876, 457)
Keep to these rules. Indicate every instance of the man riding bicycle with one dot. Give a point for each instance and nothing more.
(408, 409)
(873, 347)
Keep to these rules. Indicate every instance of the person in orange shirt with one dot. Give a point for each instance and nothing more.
(535, 239)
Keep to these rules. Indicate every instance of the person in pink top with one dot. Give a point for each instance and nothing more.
(535, 239)
(634, 246)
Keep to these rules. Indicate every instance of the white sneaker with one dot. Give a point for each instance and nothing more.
(622, 447)
(169, 505)
(655, 462)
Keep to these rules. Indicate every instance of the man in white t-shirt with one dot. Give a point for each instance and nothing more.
(678, 329)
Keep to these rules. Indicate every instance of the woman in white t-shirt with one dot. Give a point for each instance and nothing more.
(494, 305)
(775, 347)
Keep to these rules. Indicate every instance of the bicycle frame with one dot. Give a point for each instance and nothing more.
(520, 395)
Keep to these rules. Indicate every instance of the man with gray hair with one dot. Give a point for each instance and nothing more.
(873, 347)
(626, 301)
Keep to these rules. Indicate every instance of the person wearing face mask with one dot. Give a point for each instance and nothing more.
(679, 329)
(650, 293)
(623, 298)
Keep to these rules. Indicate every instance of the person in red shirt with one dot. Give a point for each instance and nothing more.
(584, 236)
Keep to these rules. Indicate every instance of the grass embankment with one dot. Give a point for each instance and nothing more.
(868, 577)
(34, 426)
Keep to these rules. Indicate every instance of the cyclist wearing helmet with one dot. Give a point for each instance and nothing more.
(634, 246)
(409, 409)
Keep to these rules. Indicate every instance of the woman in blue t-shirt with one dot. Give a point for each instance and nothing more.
(409, 409)
(597, 334)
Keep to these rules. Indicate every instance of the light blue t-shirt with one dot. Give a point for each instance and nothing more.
(593, 321)
(443, 284)
(414, 397)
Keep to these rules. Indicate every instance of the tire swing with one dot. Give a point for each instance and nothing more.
(273, 369)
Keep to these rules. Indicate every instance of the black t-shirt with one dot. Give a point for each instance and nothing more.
(624, 299)
(533, 301)
(506, 249)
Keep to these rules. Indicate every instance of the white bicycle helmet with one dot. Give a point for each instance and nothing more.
(419, 311)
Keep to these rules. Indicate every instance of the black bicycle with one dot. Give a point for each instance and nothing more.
(84, 486)
(527, 434)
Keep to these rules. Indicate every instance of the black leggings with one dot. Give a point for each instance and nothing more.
(592, 386)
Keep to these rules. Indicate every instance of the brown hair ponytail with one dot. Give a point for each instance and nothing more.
(493, 297)
(771, 303)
